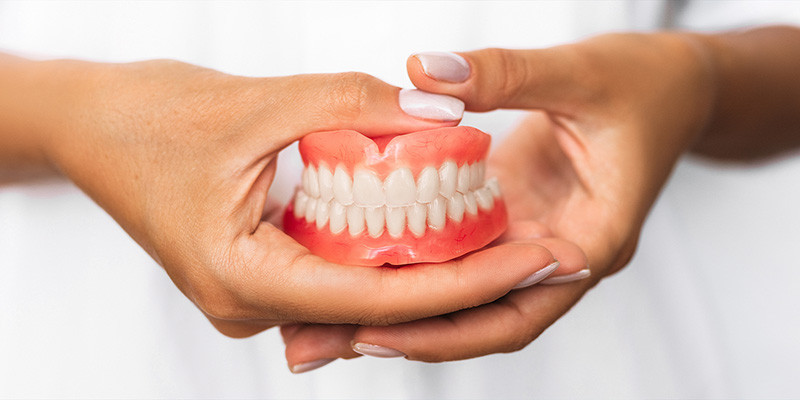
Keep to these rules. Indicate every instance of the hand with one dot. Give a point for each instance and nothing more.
(182, 157)
(617, 111)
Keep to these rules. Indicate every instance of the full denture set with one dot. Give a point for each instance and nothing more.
(419, 197)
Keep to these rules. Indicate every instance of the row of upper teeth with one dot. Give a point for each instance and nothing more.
(365, 189)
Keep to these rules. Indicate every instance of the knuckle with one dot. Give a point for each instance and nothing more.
(513, 73)
(349, 95)
(220, 305)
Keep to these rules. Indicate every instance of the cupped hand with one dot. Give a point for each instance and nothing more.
(614, 114)
(182, 157)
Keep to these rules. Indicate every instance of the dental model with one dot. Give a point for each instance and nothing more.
(417, 197)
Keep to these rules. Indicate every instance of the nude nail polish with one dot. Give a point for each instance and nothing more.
(442, 66)
(373, 350)
(311, 365)
(582, 274)
(426, 105)
(537, 276)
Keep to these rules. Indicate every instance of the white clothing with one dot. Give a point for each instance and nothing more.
(708, 307)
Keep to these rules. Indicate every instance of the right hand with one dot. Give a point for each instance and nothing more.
(182, 158)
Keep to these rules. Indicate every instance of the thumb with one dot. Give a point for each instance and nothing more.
(488, 79)
(359, 102)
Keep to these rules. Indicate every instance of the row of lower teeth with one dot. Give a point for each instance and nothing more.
(399, 188)
(416, 216)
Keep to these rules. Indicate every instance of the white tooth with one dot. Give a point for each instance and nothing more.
(427, 185)
(494, 185)
(463, 179)
(470, 204)
(342, 186)
(448, 175)
(311, 209)
(437, 213)
(416, 219)
(338, 217)
(323, 210)
(300, 201)
(476, 175)
(313, 182)
(485, 198)
(304, 181)
(395, 220)
(400, 188)
(367, 189)
(375, 217)
(455, 207)
(355, 219)
(325, 183)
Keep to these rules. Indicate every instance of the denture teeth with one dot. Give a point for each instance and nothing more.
(342, 186)
(463, 182)
(427, 185)
(338, 217)
(485, 198)
(476, 172)
(448, 175)
(375, 220)
(395, 221)
(311, 209)
(400, 188)
(455, 207)
(325, 177)
(323, 209)
(436, 213)
(300, 204)
(355, 219)
(367, 189)
(494, 185)
(416, 219)
(313, 182)
(470, 204)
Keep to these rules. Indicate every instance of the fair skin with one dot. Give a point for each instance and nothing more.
(613, 115)
(182, 157)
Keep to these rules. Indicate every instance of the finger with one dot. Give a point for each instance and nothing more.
(299, 286)
(239, 329)
(310, 346)
(488, 79)
(357, 101)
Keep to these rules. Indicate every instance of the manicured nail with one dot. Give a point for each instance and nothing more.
(374, 350)
(448, 67)
(430, 105)
(582, 274)
(537, 276)
(311, 365)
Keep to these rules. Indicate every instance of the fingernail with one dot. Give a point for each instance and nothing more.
(582, 274)
(430, 105)
(537, 276)
(374, 350)
(311, 365)
(448, 67)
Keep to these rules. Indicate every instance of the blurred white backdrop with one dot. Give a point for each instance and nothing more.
(708, 308)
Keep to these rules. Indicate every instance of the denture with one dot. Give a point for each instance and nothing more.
(417, 197)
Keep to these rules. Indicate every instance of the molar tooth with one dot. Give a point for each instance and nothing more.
(400, 188)
(427, 185)
(338, 216)
(485, 198)
(300, 200)
(470, 204)
(367, 189)
(494, 185)
(437, 213)
(417, 214)
(313, 182)
(323, 210)
(448, 175)
(455, 207)
(342, 186)
(476, 171)
(395, 221)
(355, 219)
(304, 181)
(325, 183)
(375, 218)
(311, 209)
(463, 179)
